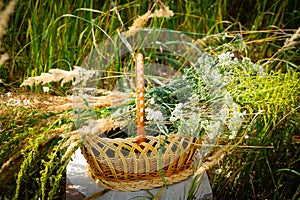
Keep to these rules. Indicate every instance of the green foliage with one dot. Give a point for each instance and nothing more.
(31, 148)
(272, 101)
(274, 93)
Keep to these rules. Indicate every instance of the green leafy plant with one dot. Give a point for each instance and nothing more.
(271, 100)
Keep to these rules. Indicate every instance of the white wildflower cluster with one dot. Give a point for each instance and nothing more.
(226, 59)
(154, 115)
(228, 115)
(222, 112)
(177, 112)
(157, 126)
(226, 62)
(204, 106)
(208, 73)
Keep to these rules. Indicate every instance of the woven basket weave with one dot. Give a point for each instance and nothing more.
(143, 162)
(122, 164)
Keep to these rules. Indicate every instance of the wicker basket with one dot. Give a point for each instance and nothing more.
(122, 164)
(143, 162)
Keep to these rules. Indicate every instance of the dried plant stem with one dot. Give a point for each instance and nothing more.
(4, 16)
(7, 163)
(3, 58)
(212, 160)
(140, 93)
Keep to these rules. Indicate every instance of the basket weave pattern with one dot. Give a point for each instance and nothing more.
(121, 164)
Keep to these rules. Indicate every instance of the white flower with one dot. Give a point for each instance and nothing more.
(46, 89)
(235, 108)
(228, 175)
(225, 59)
(176, 113)
(154, 115)
(204, 58)
(8, 94)
(246, 61)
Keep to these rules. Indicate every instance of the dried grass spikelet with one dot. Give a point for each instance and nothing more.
(56, 75)
(97, 127)
(110, 98)
(113, 98)
(72, 144)
(292, 41)
(166, 12)
(4, 16)
(61, 108)
(139, 22)
(63, 75)
(94, 127)
(289, 43)
(212, 160)
(142, 20)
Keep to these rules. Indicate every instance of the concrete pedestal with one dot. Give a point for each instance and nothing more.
(80, 185)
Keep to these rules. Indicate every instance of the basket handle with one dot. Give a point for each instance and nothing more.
(140, 93)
